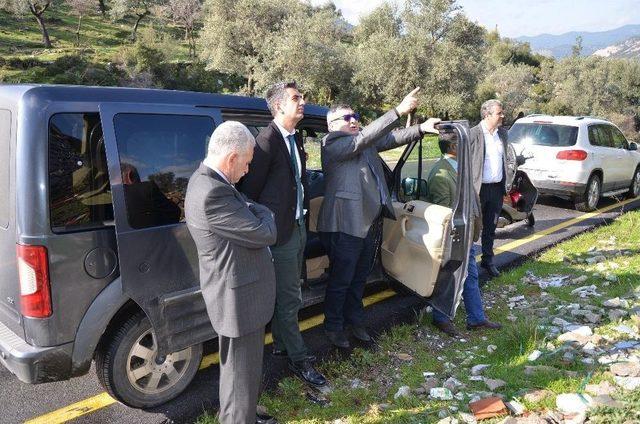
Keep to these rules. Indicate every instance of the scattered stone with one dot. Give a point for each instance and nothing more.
(626, 369)
(476, 378)
(606, 400)
(491, 348)
(537, 395)
(625, 329)
(568, 357)
(512, 318)
(616, 302)
(530, 370)
(384, 406)
(403, 391)
(446, 420)
(515, 407)
(420, 391)
(573, 403)
(534, 355)
(603, 388)
(357, 384)
(586, 291)
(427, 374)
(403, 356)
(494, 384)
(579, 280)
(467, 418)
(577, 334)
(477, 369)
(616, 315)
(430, 383)
(595, 259)
(452, 384)
(441, 393)
(628, 383)
(611, 277)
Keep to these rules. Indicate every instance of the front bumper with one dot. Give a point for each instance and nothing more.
(33, 364)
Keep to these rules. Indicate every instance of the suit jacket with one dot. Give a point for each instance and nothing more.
(355, 184)
(477, 158)
(271, 179)
(236, 269)
(441, 184)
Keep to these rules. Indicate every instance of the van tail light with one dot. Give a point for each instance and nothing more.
(572, 155)
(35, 290)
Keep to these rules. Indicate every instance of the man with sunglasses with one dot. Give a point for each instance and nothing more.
(277, 179)
(356, 195)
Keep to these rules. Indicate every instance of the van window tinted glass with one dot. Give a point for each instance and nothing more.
(5, 139)
(158, 154)
(600, 135)
(79, 190)
(539, 134)
(618, 138)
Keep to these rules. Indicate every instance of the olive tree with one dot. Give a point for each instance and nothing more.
(37, 8)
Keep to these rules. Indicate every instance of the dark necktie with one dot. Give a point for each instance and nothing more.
(294, 164)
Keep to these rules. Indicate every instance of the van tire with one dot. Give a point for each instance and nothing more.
(634, 187)
(135, 379)
(588, 201)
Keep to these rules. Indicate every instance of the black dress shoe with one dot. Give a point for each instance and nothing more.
(485, 324)
(337, 338)
(361, 334)
(448, 328)
(491, 269)
(265, 419)
(307, 373)
(282, 353)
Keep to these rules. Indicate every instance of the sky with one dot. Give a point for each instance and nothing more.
(516, 18)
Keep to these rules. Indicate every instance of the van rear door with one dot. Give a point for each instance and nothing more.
(152, 150)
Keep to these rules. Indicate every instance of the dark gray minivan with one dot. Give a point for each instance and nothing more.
(95, 259)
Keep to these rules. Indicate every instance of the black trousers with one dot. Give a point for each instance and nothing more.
(491, 203)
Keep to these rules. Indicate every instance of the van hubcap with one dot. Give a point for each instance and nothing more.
(149, 375)
(636, 183)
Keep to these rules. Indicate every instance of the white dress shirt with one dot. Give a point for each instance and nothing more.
(493, 152)
(285, 134)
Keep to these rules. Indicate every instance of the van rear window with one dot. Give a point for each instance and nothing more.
(79, 190)
(158, 153)
(539, 134)
(5, 140)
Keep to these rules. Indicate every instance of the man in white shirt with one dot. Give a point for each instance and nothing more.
(489, 163)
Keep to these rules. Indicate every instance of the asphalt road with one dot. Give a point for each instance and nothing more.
(21, 402)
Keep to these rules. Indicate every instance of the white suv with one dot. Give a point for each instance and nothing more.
(581, 158)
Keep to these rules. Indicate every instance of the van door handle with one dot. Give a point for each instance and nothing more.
(403, 225)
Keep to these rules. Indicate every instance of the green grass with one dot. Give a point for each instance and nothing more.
(382, 372)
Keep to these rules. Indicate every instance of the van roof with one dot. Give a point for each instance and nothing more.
(574, 121)
(76, 93)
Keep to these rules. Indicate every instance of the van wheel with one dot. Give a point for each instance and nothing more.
(589, 200)
(634, 188)
(531, 219)
(127, 366)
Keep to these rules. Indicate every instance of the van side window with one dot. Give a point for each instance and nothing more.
(79, 190)
(5, 141)
(158, 154)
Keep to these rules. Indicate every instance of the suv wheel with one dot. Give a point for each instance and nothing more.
(127, 366)
(634, 189)
(589, 200)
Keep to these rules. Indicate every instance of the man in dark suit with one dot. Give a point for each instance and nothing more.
(277, 179)
(232, 235)
(441, 190)
(491, 171)
(356, 194)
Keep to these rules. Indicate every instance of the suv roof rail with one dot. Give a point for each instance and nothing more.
(589, 117)
(531, 115)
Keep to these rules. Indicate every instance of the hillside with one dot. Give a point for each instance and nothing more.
(560, 45)
(627, 49)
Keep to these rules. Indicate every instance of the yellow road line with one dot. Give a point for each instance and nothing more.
(103, 400)
(538, 235)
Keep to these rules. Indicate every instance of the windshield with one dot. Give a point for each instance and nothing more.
(539, 134)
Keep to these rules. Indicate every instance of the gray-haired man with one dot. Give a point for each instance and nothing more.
(232, 236)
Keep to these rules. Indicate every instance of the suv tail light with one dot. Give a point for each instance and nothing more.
(33, 271)
(572, 155)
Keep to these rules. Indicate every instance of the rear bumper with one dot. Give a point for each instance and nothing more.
(560, 188)
(33, 364)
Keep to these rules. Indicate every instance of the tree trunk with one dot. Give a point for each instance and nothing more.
(135, 26)
(103, 8)
(45, 34)
(78, 31)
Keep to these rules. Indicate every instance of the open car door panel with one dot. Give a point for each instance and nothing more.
(427, 248)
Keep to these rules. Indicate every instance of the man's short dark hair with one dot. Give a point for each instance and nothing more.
(338, 106)
(277, 94)
(446, 140)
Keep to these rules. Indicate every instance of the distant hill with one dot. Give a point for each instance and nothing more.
(627, 49)
(560, 46)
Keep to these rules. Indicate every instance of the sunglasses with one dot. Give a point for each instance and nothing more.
(347, 118)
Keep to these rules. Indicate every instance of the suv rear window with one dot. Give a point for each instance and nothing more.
(158, 153)
(79, 190)
(543, 134)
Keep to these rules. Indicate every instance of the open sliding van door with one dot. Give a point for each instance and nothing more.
(427, 248)
(152, 150)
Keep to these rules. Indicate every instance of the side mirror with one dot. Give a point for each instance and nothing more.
(410, 187)
(520, 160)
(633, 146)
